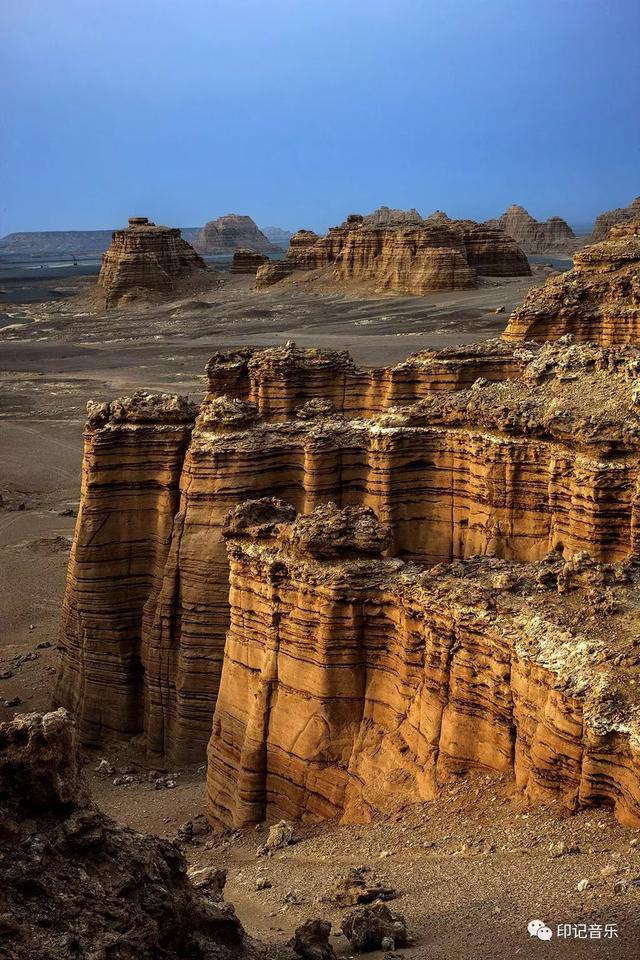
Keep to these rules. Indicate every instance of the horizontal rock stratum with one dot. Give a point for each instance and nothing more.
(598, 300)
(145, 260)
(469, 600)
(353, 683)
(404, 256)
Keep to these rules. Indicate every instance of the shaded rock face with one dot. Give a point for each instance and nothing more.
(598, 300)
(145, 260)
(491, 672)
(233, 232)
(407, 257)
(247, 261)
(612, 218)
(502, 450)
(75, 884)
(535, 236)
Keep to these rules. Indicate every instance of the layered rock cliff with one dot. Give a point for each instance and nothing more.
(534, 236)
(598, 300)
(145, 260)
(73, 883)
(476, 464)
(352, 684)
(612, 218)
(411, 258)
(233, 232)
(247, 261)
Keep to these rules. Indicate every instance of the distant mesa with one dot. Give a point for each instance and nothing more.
(535, 236)
(599, 300)
(146, 260)
(384, 215)
(233, 232)
(613, 217)
(410, 256)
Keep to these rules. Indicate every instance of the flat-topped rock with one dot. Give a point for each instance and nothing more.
(612, 218)
(146, 261)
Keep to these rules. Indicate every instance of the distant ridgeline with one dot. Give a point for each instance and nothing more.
(88, 243)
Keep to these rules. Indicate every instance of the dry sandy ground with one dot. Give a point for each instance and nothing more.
(472, 868)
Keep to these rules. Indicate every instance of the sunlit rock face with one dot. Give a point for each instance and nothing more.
(145, 260)
(407, 255)
(599, 300)
(502, 450)
(353, 683)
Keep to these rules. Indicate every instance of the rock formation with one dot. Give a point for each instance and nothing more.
(146, 260)
(598, 300)
(534, 236)
(353, 683)
(410, 258)
(475, 464)
(75, 884)
(385, 215)
(612, 218)
(233, 232)
(374, 579)
(247, 261)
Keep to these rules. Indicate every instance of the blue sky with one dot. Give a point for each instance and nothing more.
(300, 112)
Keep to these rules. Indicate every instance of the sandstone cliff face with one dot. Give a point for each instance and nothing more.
(598, 300)
(134, 451)
(146, 260)
(535, 236)
(612, 218)
(411, 258)
(353, 683)
(233, 232)
(247, 261)
(281, 380)
(547, 460)
(73, 883)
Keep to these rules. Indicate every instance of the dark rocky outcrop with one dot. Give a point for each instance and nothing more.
(75, 884)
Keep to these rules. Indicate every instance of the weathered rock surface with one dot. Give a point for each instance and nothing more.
(534, 236)
(353, 685)
(233, 232)
(146, 260)
(404, 256)
(612, 218)
(512, 468)
(311, 941)
(599, 300)
(247, 261)
(375, 927)
(75, 884)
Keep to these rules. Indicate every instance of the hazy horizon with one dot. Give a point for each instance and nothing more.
(298, 115)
